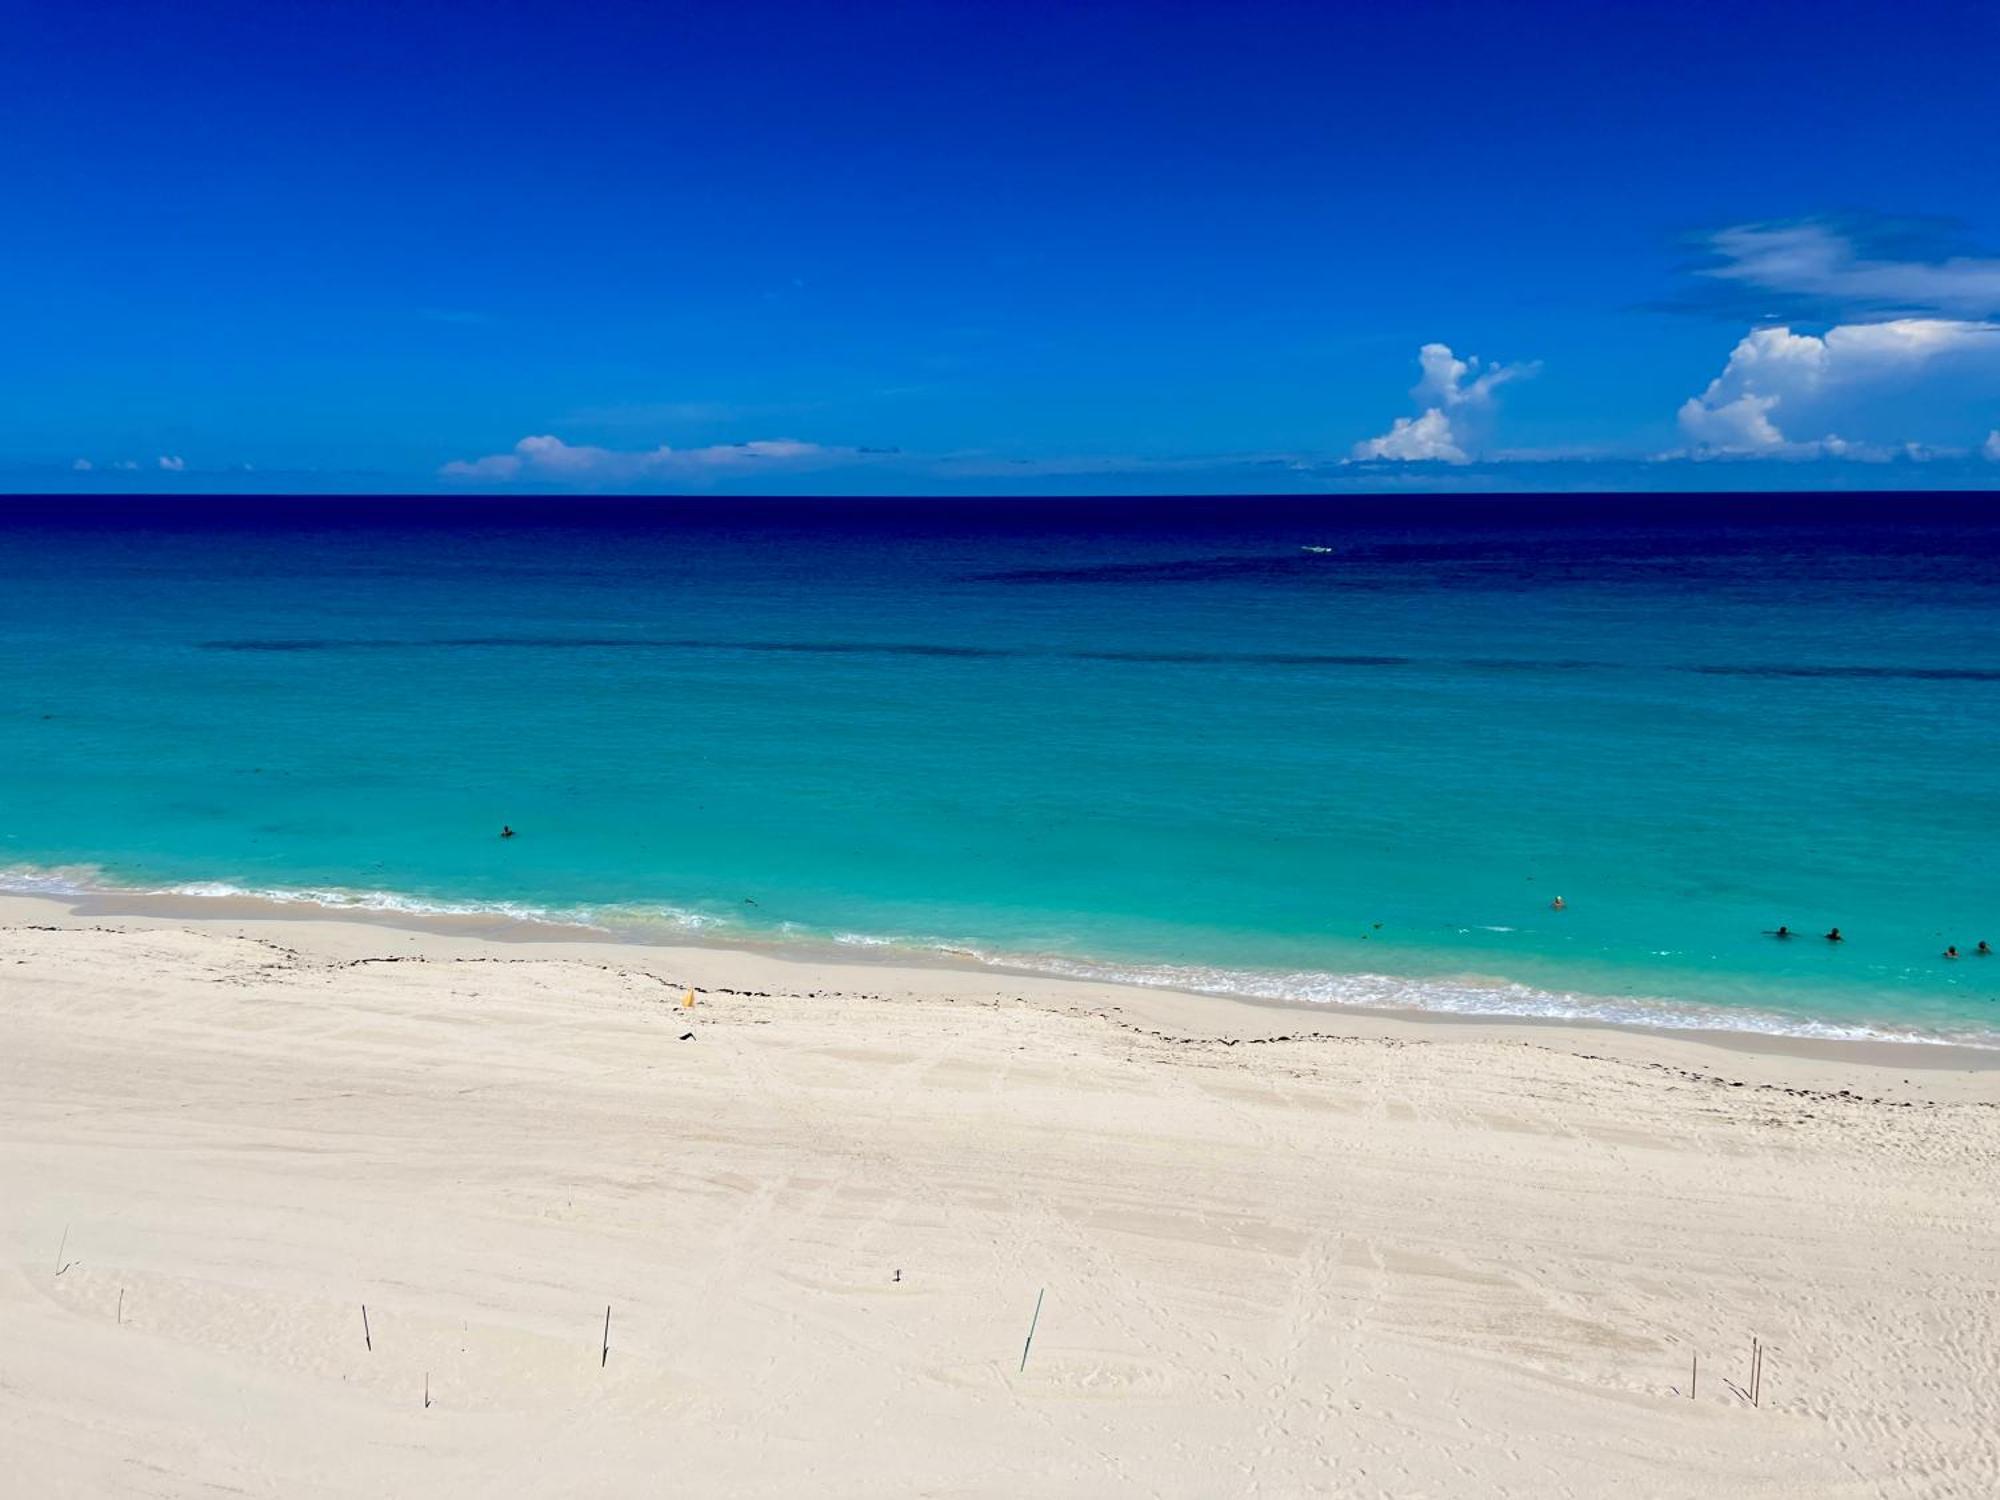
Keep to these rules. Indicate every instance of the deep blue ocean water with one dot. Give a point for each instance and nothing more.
(1331, 749)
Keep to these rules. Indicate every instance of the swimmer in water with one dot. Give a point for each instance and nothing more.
(1558, 904)
(506, 832)
(1983, 950)
(1833, 935)
(1952, 951)
(1782, 932)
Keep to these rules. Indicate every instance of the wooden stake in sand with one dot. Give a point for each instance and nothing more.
(427, 1390)
(1756, 1372)
(1694, 1374)
(61, 1264)
(605, 1355)
(1031, 1326)
(366, 1337)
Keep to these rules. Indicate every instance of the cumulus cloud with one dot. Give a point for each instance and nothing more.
(1416, 440)
(1738, 425)
(549, 460)
(1449, 382)
(1990, 449)
(1821, 263)
(1456, 395)
(172, 464)
(1781, 392)
(83, 466)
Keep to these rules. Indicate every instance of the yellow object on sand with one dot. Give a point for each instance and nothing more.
(688, 1004)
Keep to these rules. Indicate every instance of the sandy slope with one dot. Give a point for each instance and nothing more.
(1374, 1258)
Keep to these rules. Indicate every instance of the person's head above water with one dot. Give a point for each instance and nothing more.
(1951, 951)
(1783, 931)
(1983, 949)
(1833, 935)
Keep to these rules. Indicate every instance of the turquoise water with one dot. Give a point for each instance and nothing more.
(1158, 739)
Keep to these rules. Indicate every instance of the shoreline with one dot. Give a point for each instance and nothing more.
(1824, 1065)
(1459, 998)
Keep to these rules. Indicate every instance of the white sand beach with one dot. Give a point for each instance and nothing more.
(1281, 1251)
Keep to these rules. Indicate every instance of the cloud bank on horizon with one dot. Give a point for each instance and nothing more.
(546, 459)
(1898, 338)
(1907, 326)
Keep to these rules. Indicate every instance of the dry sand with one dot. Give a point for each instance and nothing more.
(1285, 1251)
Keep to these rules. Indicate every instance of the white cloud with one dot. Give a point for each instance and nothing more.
(1781, 392)
(1991, 447)
(1924, 453)
(1456, 394)
(1815, 260)
(83, 466)
(1416, 440)
(1450, 382)
(172, 464)
(126, 463)
(1742, 425)
(549, 460)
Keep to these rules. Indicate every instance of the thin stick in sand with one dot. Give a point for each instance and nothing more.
(605, 1355)
(1694, 1374)
(366, 1337)
(1031, 1327)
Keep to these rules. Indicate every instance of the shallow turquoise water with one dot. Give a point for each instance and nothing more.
(1159, 737)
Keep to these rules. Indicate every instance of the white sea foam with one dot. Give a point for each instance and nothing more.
(1474, 996)
(1479, 996)
(341, 899)
(89, 880)
(52, 880)
(1464, 995)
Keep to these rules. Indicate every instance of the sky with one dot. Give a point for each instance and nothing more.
(1026, 248)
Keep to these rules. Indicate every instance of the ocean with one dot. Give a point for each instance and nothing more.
(1338, 750)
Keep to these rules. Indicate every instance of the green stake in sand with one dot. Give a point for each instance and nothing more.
(1031, 1326)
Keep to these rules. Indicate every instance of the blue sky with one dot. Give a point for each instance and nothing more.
(998, 247)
